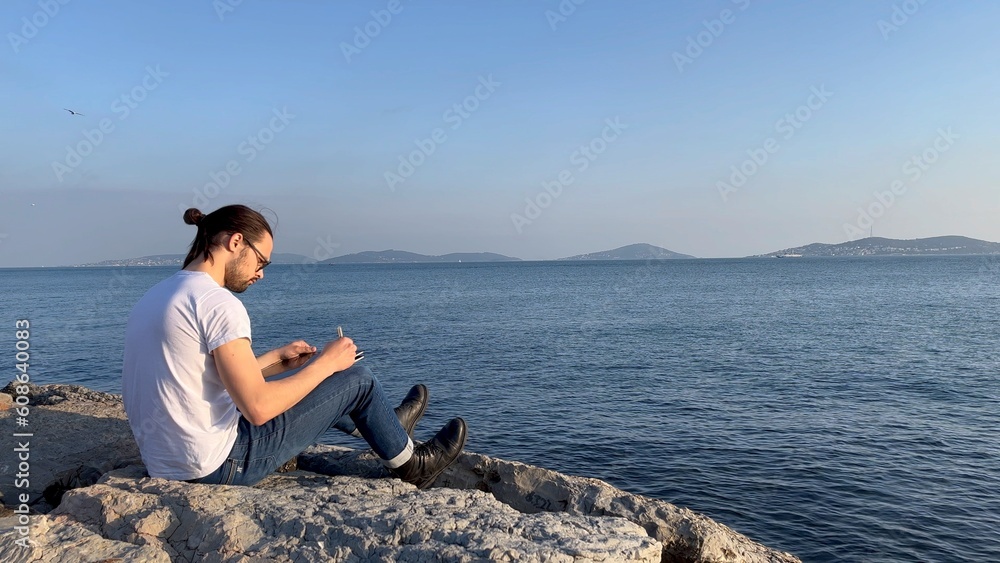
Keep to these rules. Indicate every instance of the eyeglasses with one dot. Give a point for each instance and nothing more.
(261, 262)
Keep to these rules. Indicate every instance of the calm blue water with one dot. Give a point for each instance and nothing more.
(839, 409)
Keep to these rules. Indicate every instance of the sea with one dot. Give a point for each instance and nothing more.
(841, 409)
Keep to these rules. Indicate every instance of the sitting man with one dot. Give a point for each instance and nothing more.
(199, 403)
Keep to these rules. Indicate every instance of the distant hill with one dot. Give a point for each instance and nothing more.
(178, 259)
(403, 257)
(878, 246)
(632, 252)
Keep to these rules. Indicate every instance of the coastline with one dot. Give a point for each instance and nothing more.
(89, 488)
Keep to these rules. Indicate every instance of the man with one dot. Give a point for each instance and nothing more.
(199, 402)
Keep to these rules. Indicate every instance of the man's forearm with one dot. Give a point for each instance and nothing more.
(284, 393)
(260, 400)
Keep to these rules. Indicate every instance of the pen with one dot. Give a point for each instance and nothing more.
(360, 355)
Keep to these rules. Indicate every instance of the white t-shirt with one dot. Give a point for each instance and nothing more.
(181, 414)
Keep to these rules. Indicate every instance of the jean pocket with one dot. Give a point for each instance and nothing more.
(254, 470)
(229, 470)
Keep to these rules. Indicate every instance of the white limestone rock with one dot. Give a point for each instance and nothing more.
(302, 515)
(337, 507)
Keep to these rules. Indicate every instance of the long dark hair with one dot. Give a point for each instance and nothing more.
(229, 219)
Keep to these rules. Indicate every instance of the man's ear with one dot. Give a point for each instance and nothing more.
(232, 241)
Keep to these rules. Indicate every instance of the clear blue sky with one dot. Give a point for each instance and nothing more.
(199, 81)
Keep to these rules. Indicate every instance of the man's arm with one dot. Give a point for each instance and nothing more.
(261, 400)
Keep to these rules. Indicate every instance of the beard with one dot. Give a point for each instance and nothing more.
(234, 280)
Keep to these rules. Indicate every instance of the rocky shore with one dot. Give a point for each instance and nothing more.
(86, 497)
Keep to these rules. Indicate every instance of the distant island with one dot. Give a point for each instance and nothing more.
(178, 259)
(871, 246)
(878, 246)
(403, 257)
(632, 252)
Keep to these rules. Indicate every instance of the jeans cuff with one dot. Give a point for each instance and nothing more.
(403, 457)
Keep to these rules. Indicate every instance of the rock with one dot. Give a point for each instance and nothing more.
(51, 538)
(73, 428)
(685, 535)
(301, 515)
(335, 506)
(82, 476)
(290, 465)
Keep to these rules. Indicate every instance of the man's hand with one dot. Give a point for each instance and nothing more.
(338, 354)
(296, 354)
(290, 356)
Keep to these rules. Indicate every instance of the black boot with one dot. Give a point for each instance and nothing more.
(431, 458)
(412, 408)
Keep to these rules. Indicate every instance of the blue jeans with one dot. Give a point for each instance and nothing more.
(346, 400)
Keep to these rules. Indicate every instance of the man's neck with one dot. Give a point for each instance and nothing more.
(216, 270)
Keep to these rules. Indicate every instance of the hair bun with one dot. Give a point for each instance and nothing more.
(193, 217)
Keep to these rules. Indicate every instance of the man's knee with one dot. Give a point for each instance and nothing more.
(356, 375)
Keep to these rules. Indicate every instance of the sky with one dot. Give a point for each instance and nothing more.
(534, 129)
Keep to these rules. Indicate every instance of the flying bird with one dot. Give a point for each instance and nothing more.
(71, 112)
